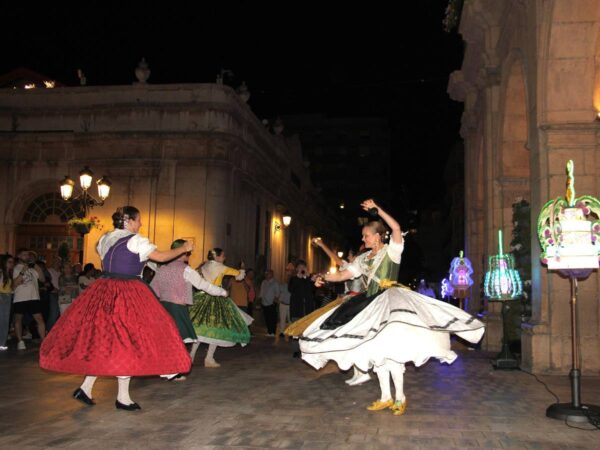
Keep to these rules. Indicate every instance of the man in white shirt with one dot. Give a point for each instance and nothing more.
(269, 292)
(284, 307)
(26, 298)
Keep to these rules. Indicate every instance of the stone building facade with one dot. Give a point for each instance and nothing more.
(193, 158)
(530, 82)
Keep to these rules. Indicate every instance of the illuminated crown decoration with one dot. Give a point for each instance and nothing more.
(502, 281)
(568, 229)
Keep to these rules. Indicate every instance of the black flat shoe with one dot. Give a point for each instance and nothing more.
(132, 407)
(82, 397)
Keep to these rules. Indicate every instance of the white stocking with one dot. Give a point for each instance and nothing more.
(87, 385)
(397, 371)
(123, 395)
(195, 346)
(210, 354)
(383, 374)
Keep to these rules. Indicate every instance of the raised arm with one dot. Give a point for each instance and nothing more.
(389, 220)
(168, 255)
(319, 243)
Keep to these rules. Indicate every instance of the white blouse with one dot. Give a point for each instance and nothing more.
(137, 244)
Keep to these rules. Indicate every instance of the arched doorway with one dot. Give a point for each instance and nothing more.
(44, 229)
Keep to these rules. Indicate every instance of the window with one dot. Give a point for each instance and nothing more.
(50, 204)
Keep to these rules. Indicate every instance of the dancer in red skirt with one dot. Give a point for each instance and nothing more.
(117, 327)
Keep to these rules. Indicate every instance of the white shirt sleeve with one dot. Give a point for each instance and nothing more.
(395, 250)
(200, 283)
(241, 276)
(141, 245)
(354, 267)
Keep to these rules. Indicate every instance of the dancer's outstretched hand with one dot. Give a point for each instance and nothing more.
(189, 246)
(369, 204)
(319, 281)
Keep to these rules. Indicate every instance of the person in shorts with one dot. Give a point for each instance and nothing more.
(26, 298)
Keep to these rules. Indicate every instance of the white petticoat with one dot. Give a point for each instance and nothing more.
(399, 325)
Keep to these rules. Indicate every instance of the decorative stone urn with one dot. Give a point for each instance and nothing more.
(142, 72)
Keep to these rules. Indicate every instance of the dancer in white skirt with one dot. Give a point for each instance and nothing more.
(388, 325)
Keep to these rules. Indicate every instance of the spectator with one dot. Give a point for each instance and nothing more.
(86, 277)
(239, 294)
(302, 301)
(424, 289)
(52, 282)
(26, 276)
(249, 284)
(269, 293)
(7, 264)
(284, 307)
(68, 288)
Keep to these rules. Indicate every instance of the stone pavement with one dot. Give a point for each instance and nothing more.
(262, 398)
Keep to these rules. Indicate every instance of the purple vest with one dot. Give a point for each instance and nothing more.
(120, 260)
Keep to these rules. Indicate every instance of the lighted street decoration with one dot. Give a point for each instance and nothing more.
(460, 279)
(568, 228)
(503, 283)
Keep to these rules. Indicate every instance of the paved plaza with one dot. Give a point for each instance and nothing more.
(261, 397)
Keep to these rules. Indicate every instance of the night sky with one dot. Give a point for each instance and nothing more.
(296, 57)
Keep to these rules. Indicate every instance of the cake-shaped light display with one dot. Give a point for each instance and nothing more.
(460, 276)
(502, 281)
(568, 229)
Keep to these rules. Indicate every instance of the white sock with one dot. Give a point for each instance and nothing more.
(397, 371)
(195, 346)
(88, 385)
(384, 383)
(123, 394)
(355, 375)
(210, 354)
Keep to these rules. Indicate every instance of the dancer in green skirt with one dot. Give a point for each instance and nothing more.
(173, 285)
(218, 321)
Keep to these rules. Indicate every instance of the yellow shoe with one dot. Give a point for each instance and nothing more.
(379, 405)
(399, 408)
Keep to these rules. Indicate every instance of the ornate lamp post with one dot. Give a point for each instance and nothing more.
(568, 230)
(503, 284)
(86, 200)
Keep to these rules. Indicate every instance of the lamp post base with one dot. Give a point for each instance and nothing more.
(571, 413)
(505, 359)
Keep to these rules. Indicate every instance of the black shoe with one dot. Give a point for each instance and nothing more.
(296, 355)
(281, 335)
(131, 407)
(82, 397)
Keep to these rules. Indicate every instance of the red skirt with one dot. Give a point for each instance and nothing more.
(116, 327)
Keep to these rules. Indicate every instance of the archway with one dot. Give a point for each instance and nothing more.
(44, 229)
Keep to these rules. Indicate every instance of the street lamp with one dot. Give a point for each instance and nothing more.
(286, 218)
(86, 199)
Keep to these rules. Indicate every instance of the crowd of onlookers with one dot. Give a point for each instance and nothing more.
(281, 301)
(34, 295)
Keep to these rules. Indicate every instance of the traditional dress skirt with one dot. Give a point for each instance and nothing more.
(181, 316)
(116, 327)
(218, 320)
(398, 325)
(298, 327)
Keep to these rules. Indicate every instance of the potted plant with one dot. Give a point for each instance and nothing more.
(83, 225)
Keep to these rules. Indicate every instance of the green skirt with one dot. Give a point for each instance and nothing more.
(181, 316)
(217, 320)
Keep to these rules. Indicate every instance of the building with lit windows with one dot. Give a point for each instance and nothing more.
(193, 158)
